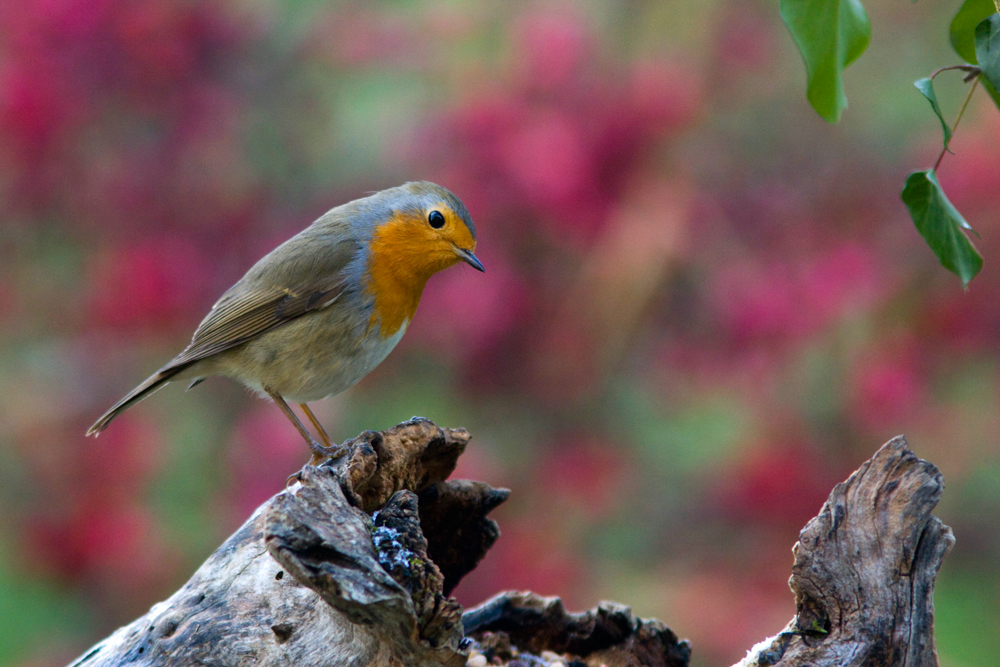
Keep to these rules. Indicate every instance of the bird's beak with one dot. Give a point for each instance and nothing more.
(470, 259)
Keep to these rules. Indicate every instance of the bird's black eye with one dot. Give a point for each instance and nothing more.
(436, 220)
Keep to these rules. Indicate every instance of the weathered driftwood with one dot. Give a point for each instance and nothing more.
(515, 625)
(301, 583)
(353, 566)
(864, 571)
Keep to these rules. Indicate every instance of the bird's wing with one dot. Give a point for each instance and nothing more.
(246, 311)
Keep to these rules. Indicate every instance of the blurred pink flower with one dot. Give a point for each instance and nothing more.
(359, 36)
(89, 524)
(552, 47)
(781, 485)
(725, 610)
(34, 109)
(158, 282)
(564, 364)
(100, 542)
(113, 469)
(116, 468)
(525, 557)
(746, 39)
(968, 321)
(264, 450)
(758, 303)
(483, 461)
(548, 158)
(785, 301)
(584, 474)
(971, 175)
(116, 68)
(11, 305)
(51, 26)
(38, 111)
(553, 164)
(159, 39)
(843, 280)
(664, 95)
(888, 388)
(464, 314)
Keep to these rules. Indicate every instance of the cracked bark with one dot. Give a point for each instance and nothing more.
(864, 571)
(354, 566)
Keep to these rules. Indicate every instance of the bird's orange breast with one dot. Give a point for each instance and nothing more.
(402, 257)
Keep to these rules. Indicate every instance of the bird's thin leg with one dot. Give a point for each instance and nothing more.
(314, 447)
(332, 450)
(316, 425)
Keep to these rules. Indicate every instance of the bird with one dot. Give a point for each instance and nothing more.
(324, 308)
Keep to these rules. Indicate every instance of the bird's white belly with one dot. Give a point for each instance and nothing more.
(321, 368)
(349, 372)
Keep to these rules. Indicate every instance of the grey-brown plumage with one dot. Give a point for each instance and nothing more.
(308, 320)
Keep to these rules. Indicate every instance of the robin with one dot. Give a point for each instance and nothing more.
(324, 308)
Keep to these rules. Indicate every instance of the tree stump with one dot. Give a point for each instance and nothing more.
(864, 571)
(353, 566)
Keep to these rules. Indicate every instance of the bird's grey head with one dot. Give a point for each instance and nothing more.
(423, 195)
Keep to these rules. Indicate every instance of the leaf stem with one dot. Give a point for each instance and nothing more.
(964, 68)
(961, 111)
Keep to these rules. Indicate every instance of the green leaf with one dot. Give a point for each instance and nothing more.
(830, 35)
(988, 49)
(926, 88)
(941, 225)
(963, 27)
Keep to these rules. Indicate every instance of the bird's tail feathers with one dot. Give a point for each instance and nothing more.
(151, 384)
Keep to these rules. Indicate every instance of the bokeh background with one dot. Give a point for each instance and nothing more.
(703, 306)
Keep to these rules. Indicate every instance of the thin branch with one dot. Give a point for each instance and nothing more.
(971, 69)
(961, 111)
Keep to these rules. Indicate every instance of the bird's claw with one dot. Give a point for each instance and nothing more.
(321, 453)
(293, 478)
